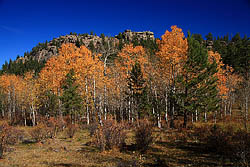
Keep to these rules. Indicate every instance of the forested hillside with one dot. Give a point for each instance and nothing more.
(172, 82)
(131, 76)
(107, 46)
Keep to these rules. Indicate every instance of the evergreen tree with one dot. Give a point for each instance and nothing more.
(198, 37)
(198, 82)
(137, 89)
(78, 43)
(91, 46)
(71, 99)
(102, 36)
(209, 37)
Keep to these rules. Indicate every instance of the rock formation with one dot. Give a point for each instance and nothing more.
(93, 42)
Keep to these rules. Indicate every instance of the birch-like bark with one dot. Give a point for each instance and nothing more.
(246, 112)
(9, 101)
(33, 114)
(14, 103)
(166, 109)
(205, 116)
(159, 119)
(196, 115)
(87, 101)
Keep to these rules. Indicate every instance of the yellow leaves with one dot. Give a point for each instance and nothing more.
(23, 89)
(10, 81)
(227, 80)
(172, 54)
(173, 46)
(221, 73)
(128, 56)
(81, 60)
(217, 58)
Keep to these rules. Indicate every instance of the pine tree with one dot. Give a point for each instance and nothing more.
(198, 82)
(71, 99)
(136, 85)
(91, 46)
(209, 37)
(198, 37)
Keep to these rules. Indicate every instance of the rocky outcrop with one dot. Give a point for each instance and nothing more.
(95, 43)
(209, 44)
(129, 35)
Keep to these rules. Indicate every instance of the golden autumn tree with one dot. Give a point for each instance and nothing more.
(88, 71)
(30, 94)
(220, 74)
(20, 95)
(172, 56)
(126, 60)
(11, 88)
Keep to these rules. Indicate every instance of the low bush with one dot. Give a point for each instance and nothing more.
(8, 136)
(241, 148)
(39, 132)
(230, 143)
(143, 135)
(71, 130)
(54, 125)
(92, 128)
(111, 135)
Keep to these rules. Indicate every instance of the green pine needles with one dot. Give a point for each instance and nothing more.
(198, 83)
(71, 99)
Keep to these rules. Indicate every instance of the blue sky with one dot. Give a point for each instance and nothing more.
(24, 23)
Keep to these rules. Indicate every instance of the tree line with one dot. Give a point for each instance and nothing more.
(180, 78)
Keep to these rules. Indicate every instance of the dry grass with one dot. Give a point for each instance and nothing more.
(61, 152)
(77, 152)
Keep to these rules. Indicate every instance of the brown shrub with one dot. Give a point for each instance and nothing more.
(143, 135)
(92, 128)
(226, 141)
(111, 135)
(54, 125)
(71, 130)
(8, 136)
(39, 132)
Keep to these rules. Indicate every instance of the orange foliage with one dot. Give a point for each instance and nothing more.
(127, 57)
(81, 60)
(227, 80)
(172, 52)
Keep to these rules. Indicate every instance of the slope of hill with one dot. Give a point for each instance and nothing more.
(37, 57)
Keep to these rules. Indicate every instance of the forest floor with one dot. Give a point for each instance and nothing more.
(78, 152)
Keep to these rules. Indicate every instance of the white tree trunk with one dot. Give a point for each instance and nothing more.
(9, 101)
(87, 101)
(166, 109)
(196, 115)
(33, 114)
(159, 120)
(205, 116)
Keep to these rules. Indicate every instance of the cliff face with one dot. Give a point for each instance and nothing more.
(97, 44)
(128, 34)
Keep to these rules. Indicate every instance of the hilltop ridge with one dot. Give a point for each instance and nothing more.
(97, 44)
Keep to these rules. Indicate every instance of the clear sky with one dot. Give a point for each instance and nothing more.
(24, 23)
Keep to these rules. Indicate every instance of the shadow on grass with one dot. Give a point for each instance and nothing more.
(29, 141)
(124, 163)
(128, 148)
(65, 165)
(185, 153)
